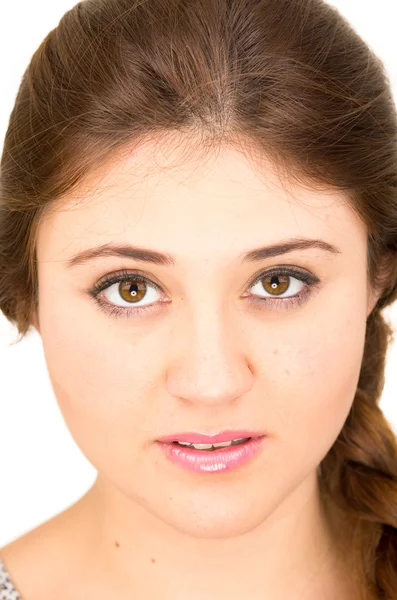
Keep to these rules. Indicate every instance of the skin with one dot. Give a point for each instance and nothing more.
(208, 360)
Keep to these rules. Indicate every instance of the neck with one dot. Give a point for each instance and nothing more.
(292, 554)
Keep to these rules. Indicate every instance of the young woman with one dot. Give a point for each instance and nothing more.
(199, 217)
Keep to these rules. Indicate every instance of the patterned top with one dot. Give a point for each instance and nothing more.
(7, 589)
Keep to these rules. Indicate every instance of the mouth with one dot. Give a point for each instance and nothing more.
(229, 436)
(212, 447)
(213, 457)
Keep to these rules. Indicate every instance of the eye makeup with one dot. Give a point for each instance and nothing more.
(137, 280)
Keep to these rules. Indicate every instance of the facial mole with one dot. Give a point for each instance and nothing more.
(153, 560)
(117, 544)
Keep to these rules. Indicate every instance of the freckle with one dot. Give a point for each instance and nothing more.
(117, 544)
(153, 560)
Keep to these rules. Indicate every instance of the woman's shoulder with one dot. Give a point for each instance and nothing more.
(14, 569)
(22, 567)
(8, 590)
(38, 564)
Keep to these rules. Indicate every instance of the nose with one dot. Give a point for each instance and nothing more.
(208, 364)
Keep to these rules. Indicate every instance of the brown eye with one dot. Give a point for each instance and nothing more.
(276, 284)
(132, 290)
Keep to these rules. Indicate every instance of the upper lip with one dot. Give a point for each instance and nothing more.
(201, 438)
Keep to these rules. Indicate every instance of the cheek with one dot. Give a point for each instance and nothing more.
(314, 382)
(101, 375)
(102, 390)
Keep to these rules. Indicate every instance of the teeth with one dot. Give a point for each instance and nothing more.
(209, 446)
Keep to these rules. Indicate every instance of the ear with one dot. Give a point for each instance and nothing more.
(35, 322)
(373, 298)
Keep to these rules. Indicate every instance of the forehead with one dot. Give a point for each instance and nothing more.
(221, 203)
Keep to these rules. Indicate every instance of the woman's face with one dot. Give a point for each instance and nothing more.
(214, 351)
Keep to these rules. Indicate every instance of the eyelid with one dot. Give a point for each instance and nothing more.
(118, 276)
(301, 274)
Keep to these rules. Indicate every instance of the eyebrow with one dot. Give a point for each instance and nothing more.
(165, 259)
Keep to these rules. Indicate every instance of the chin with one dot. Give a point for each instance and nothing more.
(213, 519)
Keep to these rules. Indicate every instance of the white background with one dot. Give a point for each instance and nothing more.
(43, 470)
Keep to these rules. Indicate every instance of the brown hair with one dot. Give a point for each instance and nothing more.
(289, 77)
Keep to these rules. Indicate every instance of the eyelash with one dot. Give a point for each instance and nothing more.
(118, 311)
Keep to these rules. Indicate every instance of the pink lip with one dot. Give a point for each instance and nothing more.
(214, 461)
(199, 438)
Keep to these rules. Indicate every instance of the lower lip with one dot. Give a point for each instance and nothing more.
(213, 461)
